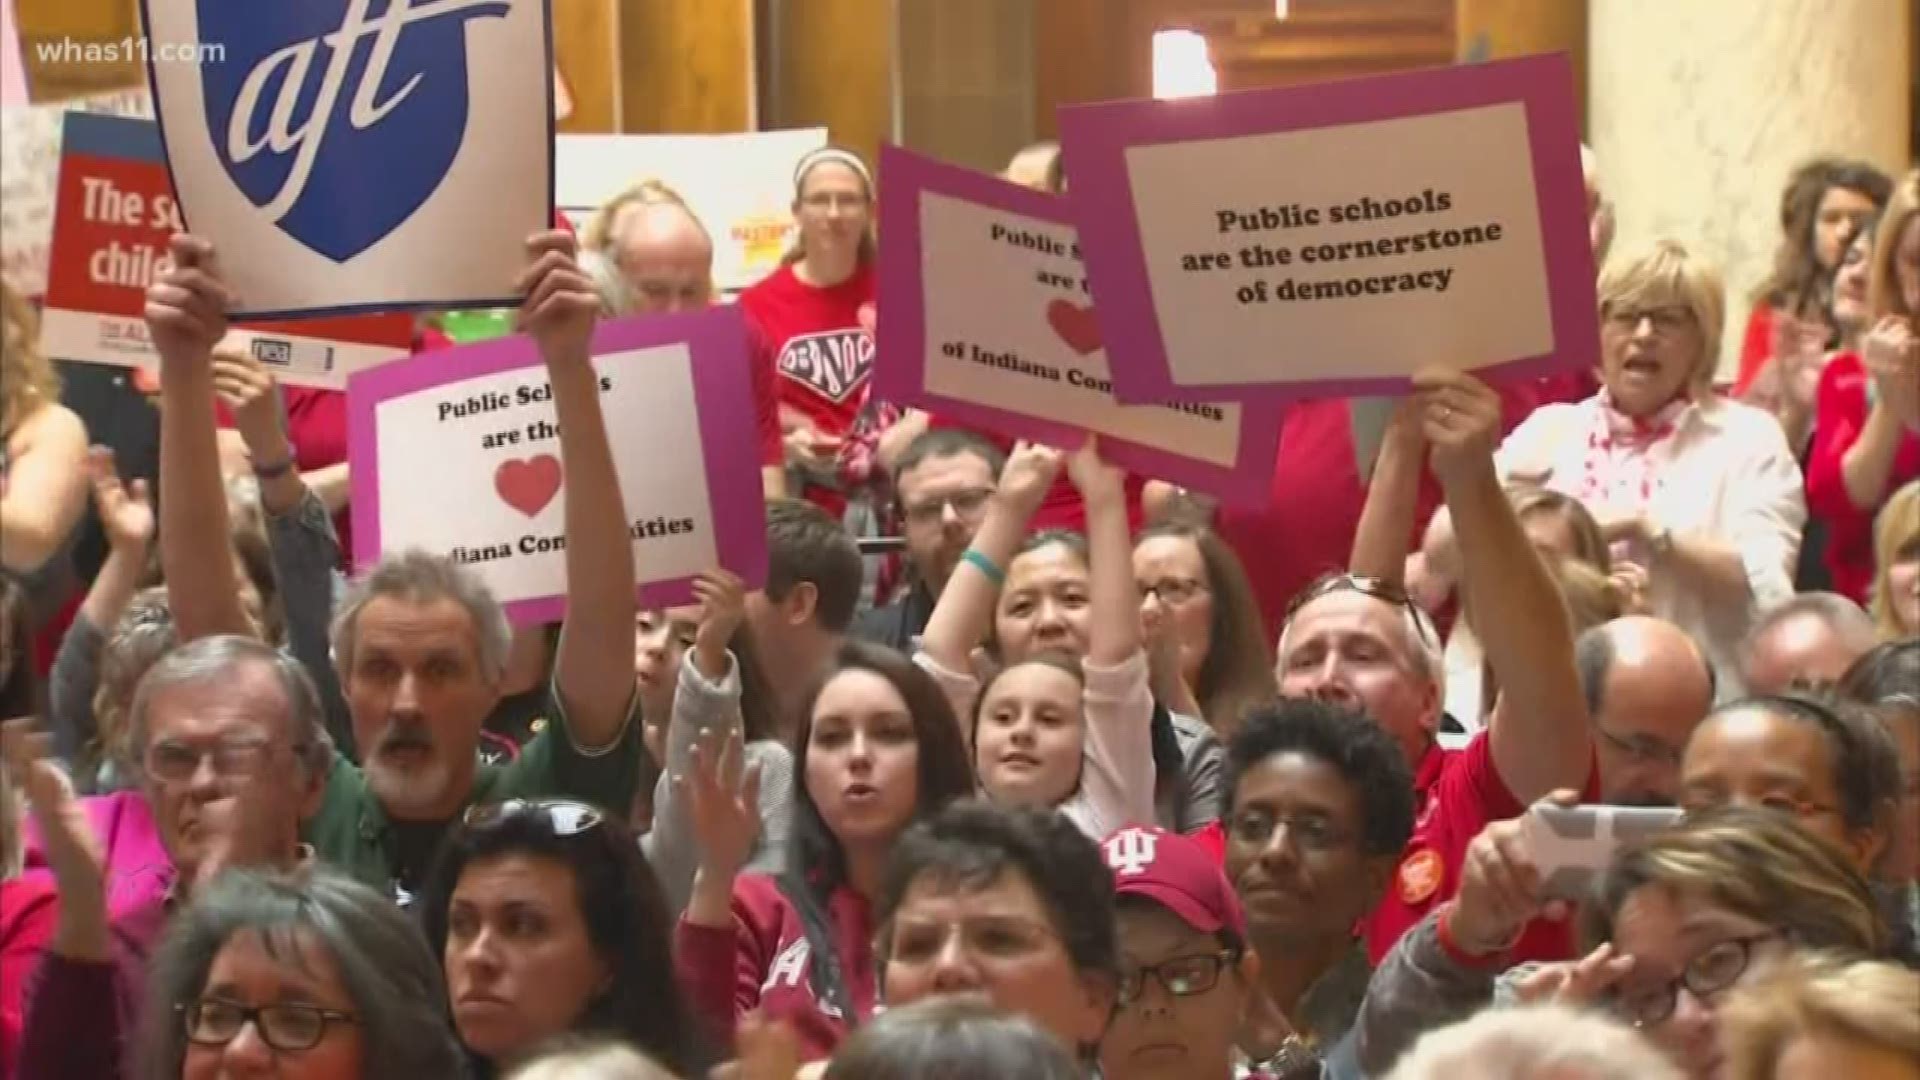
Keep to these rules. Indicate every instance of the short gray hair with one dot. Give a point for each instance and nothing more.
(1837, 613)
(1521, 1043)
(420, 576)
(392, 978)
(210, 659)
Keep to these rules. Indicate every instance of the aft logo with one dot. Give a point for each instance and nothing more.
(833, 364)
(322, 107)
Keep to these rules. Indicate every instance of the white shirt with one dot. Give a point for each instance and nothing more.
(1726, 474)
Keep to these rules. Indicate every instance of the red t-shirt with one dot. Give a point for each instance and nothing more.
(1756, 347)
(1307, 526)
(1457, 794)
(1841, 415)
(822, 353)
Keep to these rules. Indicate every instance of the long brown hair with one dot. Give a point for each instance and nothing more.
(1797, 279)
(1883, 289)
(1238, 672)
(27, 380)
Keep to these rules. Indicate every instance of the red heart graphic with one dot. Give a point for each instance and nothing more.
(528, 486)
(1076, 326)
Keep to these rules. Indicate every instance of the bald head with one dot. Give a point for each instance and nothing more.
(1812, 638)
(665, 255)
(1647, 686)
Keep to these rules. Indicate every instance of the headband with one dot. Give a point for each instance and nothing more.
(833, 154)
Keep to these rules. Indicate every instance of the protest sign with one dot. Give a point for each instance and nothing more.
(739, 186)
(114, 215)
(1333, 239)
(343, 161)
(457, 452)
(985, 319)
(29, 170)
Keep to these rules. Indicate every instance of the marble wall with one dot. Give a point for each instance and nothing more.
(1698, 109)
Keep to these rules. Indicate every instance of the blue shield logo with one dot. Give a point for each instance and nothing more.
(338, 119)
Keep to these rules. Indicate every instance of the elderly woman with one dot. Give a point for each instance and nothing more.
(1700, 492)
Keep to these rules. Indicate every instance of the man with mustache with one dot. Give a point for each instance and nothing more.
(419, 645)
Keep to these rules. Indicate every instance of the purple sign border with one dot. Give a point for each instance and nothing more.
(723, 393)
(902, 337)
(1096, 137)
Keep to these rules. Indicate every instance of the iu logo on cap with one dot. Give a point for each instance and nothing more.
(1130, 851)
(319, 98)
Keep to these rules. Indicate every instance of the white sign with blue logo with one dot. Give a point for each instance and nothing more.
(358, 155)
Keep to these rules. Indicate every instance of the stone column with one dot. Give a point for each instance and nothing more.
(1698, 110)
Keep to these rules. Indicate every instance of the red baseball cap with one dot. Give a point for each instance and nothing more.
(1177, 873)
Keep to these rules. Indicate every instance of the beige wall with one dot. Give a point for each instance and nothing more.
(1698, 109)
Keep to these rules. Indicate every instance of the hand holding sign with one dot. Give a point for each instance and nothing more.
(561, 303)
(187, 305)
(1461, 422)
(1097, 481)
(1027, 475)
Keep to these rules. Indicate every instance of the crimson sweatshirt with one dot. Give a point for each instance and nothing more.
(764, 961)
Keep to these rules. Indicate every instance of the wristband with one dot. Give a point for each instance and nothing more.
(275, 470)
(986, 566)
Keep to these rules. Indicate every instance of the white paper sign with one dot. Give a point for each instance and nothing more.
(30, 173)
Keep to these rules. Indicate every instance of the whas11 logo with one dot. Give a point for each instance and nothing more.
(339, 119)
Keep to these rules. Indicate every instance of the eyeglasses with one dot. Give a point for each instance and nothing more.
(1310, 833)
(1183, 976)
(174, 762)
(1366, 585)
(1712, 972)
(824, 200)
(1174, 592)
(1667, 320)
(966, 504)
(286, 1026)
(987, 937)
(564, 817)
(1642, 748)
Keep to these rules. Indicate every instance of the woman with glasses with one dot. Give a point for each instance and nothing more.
(1066, 720)
(1867, 433)
(1207, 649)
(1015, 904)
(877, 749)
(814, 319)
(306, 977)
(548, 921)
(1698, 493)
(1680, 918)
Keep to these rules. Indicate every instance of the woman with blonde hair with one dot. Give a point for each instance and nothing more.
(1867, 427)
(43, 452)
(1697, 493)
(1816, 1018)
(1895, 596)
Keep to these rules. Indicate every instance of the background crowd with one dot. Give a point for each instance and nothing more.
(1088, 777)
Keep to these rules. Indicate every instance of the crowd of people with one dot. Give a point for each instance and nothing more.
(1091, 778)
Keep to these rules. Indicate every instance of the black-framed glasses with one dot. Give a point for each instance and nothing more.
(1378, 588)
(966, 504)
(1173, 592)
(290, 1027)
(1182, 976)
(564, 816)
(1707, 975)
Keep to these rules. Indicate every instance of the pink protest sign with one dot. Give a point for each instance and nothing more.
(985, 319)
(1333, 239)
(457, 452)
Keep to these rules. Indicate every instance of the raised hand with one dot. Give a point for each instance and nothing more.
(1095, 479)
(126, 510)
(1461, 421)
(187, 304)
(246, 387)
(1891, 355)
(561, 304)
(723, 607)
(73, 851)
(724, 796)
(1027, 476)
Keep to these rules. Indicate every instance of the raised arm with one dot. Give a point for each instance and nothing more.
(1891, 355)
(593, 670)
(187, 315)
(964, 612)
(1539, 729)
(1387, 521)
(1113, 594)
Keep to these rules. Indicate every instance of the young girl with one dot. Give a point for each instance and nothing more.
(698, 675)
(879, 749)
(1066, 721)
